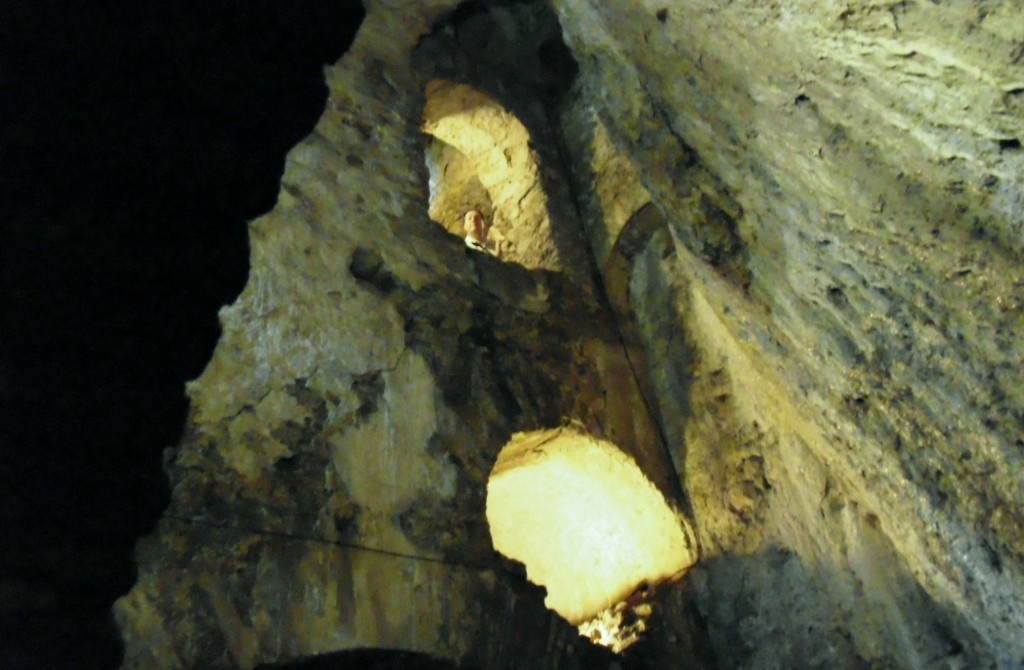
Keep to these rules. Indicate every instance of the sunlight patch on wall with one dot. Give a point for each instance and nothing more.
(589, 527)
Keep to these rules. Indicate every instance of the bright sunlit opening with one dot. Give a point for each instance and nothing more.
(588, 526)
(480, 159)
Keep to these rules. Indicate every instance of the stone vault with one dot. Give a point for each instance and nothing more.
(770, 250)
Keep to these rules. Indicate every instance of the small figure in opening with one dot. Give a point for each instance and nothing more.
(477, 234)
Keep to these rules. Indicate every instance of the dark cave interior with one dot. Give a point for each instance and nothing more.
(136, 141)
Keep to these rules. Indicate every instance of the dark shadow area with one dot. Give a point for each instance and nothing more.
(366, 659)
(136, 139)
(816, 618)
(511, 49)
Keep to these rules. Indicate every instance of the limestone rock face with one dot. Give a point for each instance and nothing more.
(329, 491)
(770, 250)
(829, 310)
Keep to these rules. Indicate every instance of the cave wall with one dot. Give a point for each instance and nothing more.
(828, 304)
(329, 491)
(778, 268)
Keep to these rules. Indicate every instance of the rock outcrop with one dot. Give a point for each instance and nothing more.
(770, 250)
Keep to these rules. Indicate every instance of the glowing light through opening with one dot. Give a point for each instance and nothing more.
(588, 526)
(480, 158)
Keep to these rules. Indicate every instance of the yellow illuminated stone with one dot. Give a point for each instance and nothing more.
(584, 520)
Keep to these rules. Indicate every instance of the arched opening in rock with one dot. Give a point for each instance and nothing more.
(589, 527)
(480, 159)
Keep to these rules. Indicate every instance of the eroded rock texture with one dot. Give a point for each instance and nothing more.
(829, 311)
(769, 249)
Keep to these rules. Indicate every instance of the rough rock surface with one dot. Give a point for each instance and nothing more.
(776, 261)
(828, 310)
(329, 492)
